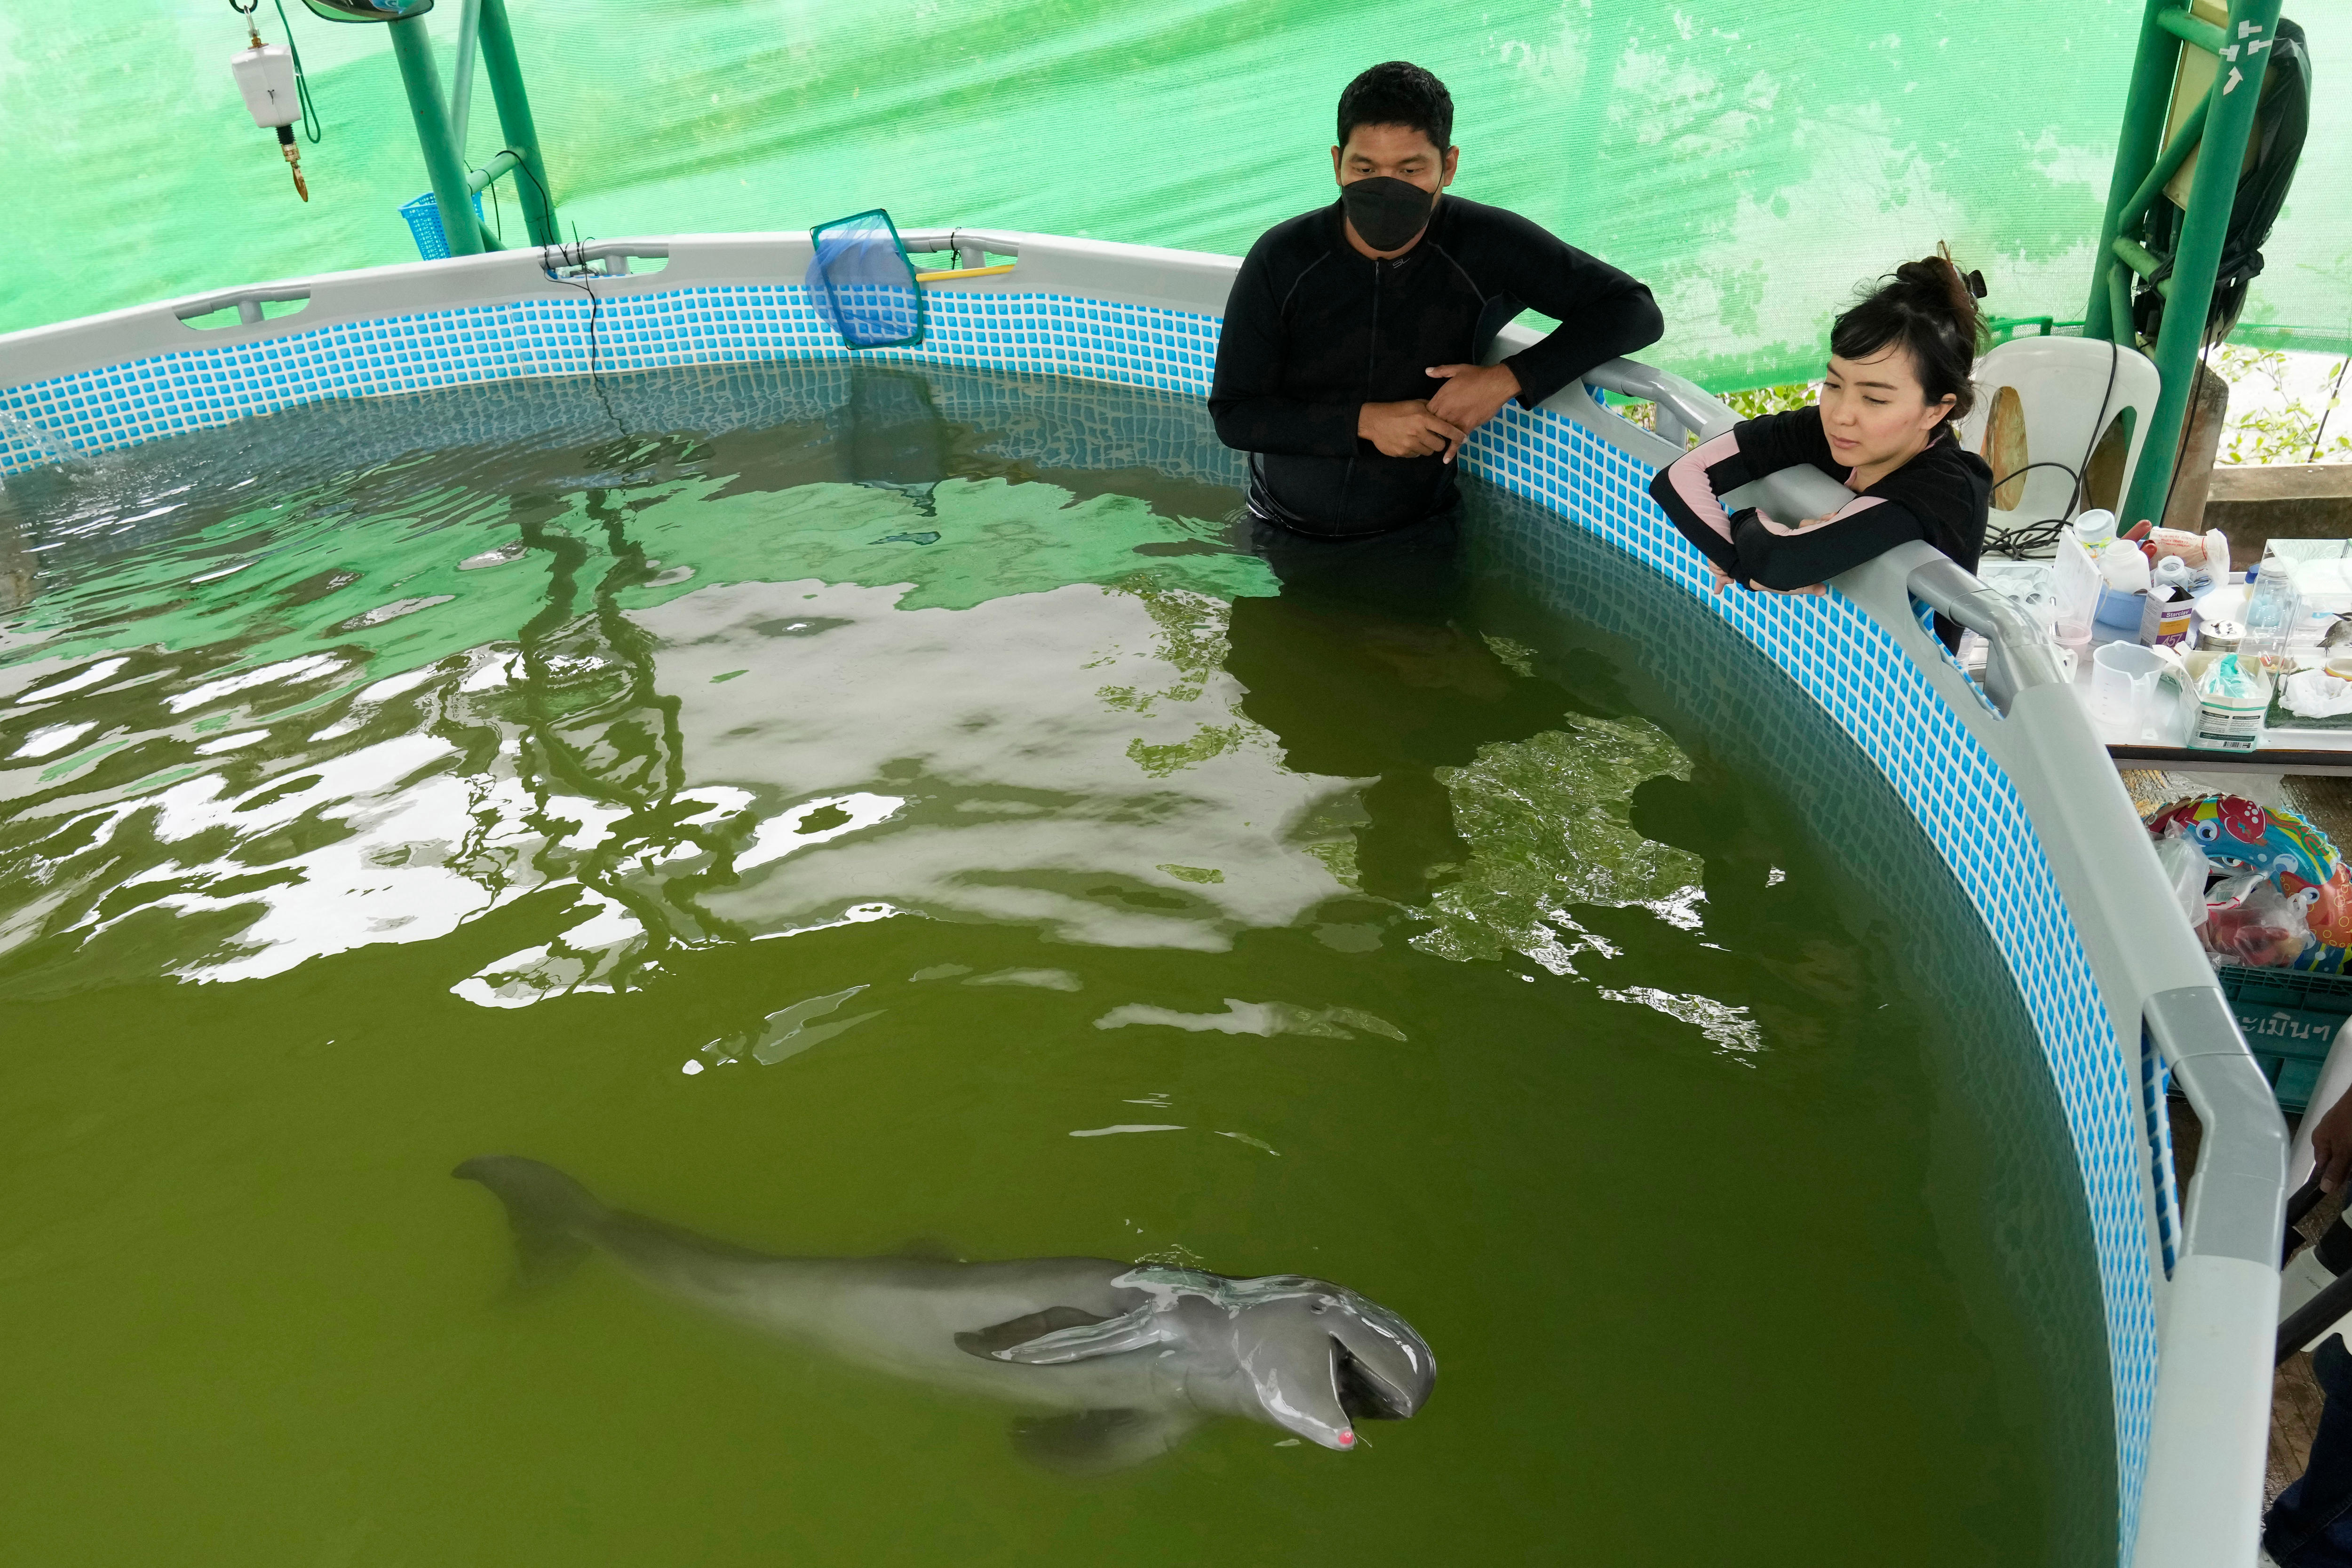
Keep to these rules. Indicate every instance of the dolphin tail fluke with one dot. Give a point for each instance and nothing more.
(550, 1213)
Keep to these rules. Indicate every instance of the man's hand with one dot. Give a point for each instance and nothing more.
(1472, 396)
(2331, 1145)
(1406, 429)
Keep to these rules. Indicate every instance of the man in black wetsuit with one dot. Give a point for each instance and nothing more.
(1347, 364)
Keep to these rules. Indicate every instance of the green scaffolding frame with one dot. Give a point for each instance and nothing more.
(2127, 241)
(2144, 165)
(445, 164)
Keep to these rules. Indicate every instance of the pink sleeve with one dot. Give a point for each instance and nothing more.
(1687, 474)
(1859, 503)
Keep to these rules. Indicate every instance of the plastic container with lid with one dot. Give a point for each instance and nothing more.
(2094, 528)
(2232, 700)
(2125, 569)
(2273, 610)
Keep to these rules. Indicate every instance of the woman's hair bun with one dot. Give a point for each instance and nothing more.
(1935, 283)
(1930, 307)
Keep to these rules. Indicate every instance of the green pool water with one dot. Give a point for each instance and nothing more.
(836, 811)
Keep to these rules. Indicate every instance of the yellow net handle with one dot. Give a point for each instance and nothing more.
(965, 272)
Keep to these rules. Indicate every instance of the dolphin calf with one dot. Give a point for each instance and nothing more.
(1116, 1362)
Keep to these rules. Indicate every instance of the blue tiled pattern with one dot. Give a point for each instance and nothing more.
(166, 395)
(2156, 1084)
(1966, 807)
(1836, 653)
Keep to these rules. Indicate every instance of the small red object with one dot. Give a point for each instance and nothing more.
(1346, 1439)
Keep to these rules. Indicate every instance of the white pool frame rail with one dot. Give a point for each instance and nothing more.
(2201, 1486)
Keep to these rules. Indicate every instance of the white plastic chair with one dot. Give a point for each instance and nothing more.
(2060, 383)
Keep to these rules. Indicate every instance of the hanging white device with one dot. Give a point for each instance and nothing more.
(265, 75)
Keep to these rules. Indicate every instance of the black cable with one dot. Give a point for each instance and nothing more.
(2045, 463)
(576, 257)
(312, 131)
(2334, 393)
(546, 202)
(570, 256)
(2020, 539)
(2188, 419)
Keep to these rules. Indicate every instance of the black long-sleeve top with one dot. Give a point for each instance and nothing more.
(1315, 330)
(1940, 496)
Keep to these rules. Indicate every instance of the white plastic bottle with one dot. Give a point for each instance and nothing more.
(2123, 585)
(2124, 567)
(2078, 576)
(2273, 610)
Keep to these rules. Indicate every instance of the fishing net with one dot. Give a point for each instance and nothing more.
(1750, 161)
(861, 280)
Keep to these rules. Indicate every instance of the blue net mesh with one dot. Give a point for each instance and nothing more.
(860, 278)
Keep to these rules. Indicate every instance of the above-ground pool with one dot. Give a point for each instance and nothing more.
(846, 810)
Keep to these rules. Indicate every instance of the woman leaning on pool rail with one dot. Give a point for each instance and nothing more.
(1896, 383)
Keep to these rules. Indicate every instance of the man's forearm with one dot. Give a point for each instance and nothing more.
(1286, 426)
(1599, 332)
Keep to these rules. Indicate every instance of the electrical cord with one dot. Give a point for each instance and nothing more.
(2021, 540)
(546, 202)
(312, 131)
(2334, 392)
(574, 256)
(2188, 419)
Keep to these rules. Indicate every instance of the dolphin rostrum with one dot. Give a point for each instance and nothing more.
(1122, 1360)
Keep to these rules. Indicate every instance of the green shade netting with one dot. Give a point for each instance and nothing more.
(1751, 163)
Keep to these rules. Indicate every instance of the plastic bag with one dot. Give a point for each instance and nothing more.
(2187, 868)
(2248, 920)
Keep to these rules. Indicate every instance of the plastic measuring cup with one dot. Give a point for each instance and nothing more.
(2124, 679)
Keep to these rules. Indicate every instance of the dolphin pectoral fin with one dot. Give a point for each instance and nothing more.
(1096, 1337)
(992, 1342)
(1096, 1442)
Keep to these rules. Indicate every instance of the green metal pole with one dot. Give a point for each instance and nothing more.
(530, 181)
(430, 110)
(2143, 133)
(2197, 256)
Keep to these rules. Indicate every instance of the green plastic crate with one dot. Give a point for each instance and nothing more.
(2289, 1016)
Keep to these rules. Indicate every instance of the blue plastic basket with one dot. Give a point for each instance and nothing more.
(2290, 1017)
(424, 216)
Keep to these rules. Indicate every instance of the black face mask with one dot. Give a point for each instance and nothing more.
(1387, 213)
